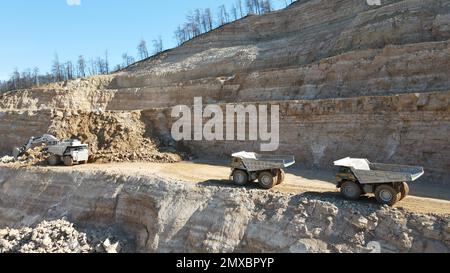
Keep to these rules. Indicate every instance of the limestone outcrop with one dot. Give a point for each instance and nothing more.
(163, 215)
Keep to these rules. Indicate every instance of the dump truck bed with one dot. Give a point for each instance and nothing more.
(375, 173)
(257, 162)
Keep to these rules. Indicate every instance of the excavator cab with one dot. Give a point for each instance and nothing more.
(16, 153)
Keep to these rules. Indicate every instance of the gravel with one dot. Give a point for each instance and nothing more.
(61, 236)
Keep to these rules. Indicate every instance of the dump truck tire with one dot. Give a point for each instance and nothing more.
(351, 190)
(387, 195)
(240, 177)
(281, 177)
(54, 160)
(404, 190)
(68, 161)
(266, 180)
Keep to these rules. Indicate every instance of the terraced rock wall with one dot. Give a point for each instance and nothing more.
(409, 129)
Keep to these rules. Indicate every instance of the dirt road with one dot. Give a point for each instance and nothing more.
(424, 198)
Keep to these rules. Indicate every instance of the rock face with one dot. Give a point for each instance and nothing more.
(352, 79)
(312, 50)
(172, 216)
(17, 126)
(92, 94)
(407, 129)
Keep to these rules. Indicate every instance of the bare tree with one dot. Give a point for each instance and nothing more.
(239, 8)
(157, 45)
(208, 18)
(56, 69)
(117, 67)
(68, 68)
(106, 63)
(222, 15)
(81, 66)
(180, 35)
(16, 79)
(36, 76)
(234, 12)
(193, 25)
(257, 4)
(287, 2)
(142, 50)
(127, 60)
(250, 4)
(265, 6)
(197, 20)
(101, 66)
(92, 67)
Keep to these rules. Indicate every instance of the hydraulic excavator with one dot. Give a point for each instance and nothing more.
(69, 152)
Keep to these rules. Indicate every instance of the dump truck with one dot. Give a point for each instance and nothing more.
(68, 152)
(389, 183)
(267, 169)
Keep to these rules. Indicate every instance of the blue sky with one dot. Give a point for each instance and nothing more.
(32, 31)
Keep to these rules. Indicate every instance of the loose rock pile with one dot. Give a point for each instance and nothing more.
(112, 136)
(6, 159)
(58, 236)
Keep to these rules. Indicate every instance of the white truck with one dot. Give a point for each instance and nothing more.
(69, 152)
(267, 169)
(389, 183)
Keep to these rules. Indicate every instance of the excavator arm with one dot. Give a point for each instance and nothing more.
(47, 139)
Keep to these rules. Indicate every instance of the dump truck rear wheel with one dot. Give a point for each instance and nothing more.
(68, 161)
(54, 160)
(404, 190)
(351, 190)
(281, 177)
(387, 195)
(240, 178)
(266, 180)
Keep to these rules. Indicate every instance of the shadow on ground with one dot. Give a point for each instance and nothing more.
(330, 196)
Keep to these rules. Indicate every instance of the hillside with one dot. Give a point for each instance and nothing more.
(349, 78)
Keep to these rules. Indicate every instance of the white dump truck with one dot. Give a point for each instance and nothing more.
(388, 182)
(267, 169)
(69, 152)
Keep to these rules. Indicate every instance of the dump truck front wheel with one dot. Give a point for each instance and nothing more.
(54, 160)
(387, 195)
(351, 190)
(68, 161)
(404, 190)
(240, 177)
(266, 180)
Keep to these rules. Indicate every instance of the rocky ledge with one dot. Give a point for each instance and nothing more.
(163, 215)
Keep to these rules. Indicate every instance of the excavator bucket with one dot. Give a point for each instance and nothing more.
(16, 153)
